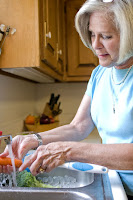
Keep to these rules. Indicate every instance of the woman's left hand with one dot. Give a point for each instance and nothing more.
(47, 157)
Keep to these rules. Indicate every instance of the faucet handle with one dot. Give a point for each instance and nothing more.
(7, 138)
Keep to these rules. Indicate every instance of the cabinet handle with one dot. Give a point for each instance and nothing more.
(48, 35)
(60, 52)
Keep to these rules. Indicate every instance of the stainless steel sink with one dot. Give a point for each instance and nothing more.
(34, 194)
(82, 178)
(88, 187)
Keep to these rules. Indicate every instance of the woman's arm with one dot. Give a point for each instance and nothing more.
(50, 156)
(113, 156)
(80, 127)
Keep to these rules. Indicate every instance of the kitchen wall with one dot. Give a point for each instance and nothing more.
(19, 98)
(71, 96)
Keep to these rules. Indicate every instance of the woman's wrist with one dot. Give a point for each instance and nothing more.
(74, 152)
(69, 151)
(39, 139)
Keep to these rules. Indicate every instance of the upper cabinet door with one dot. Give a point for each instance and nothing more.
(22, 48)
(60, 35)
(50, 32)
(81, 61)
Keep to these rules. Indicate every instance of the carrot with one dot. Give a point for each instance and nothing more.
(7, 161)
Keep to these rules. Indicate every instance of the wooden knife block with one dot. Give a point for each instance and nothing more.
(47, 111)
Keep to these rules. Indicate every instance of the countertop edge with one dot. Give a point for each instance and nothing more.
(116, 186)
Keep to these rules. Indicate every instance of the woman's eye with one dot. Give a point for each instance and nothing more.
(92, 34)
(106, 37)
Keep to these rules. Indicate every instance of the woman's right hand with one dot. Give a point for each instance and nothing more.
(20, 146)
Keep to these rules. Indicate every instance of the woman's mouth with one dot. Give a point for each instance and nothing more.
(103, 55)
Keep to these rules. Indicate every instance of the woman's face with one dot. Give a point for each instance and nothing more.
(105, 39)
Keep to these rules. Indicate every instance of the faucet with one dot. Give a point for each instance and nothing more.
(7, 138)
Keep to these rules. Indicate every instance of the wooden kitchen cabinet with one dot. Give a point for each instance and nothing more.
(52, 40)
(80, 60)
(60, 36)
(45, 39)
(49, 34)
(37, 37)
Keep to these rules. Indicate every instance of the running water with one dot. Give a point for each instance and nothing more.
(13, 165)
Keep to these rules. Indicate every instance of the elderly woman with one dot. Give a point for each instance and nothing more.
(106, 27)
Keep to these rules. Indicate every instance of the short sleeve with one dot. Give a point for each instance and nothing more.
(92, 82)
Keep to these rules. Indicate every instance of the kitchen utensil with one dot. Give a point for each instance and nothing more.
(85, 167)
(51, 99)
(56, 112)
(54, 101)
(57, 98)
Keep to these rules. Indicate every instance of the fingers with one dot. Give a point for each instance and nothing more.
(46, 158)
(36, 166)
(22, 152)
(6, 169)
(28, 161)
(28, 142)
(23, 149)
(1, 170)
(9, 169)
(51, 164)
(45, 163)
(42, 170)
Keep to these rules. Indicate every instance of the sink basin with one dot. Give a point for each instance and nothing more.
(88, 187)
(82, 178)
(35, 194)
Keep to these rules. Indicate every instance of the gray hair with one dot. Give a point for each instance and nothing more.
(122, 11)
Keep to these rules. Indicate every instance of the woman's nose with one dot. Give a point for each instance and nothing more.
(96, 43)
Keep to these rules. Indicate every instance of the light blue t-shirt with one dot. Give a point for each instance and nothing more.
(106, 96)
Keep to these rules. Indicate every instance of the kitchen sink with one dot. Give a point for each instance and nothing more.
(82, 178)
(35, 194)
(88, 187)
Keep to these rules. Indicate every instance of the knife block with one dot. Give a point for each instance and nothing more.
(47, 111)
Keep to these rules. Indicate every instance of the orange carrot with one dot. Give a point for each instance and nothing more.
(7, 161)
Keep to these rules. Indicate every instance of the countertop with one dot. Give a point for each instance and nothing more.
(116, 186)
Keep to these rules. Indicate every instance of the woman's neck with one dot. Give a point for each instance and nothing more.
(127, 64)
